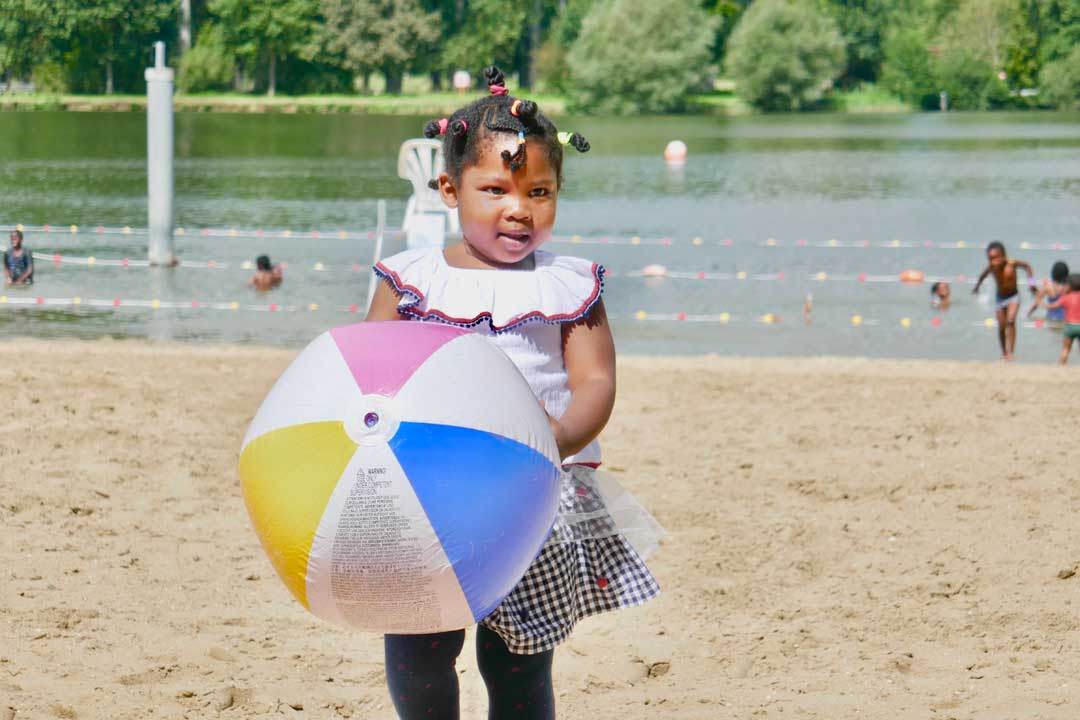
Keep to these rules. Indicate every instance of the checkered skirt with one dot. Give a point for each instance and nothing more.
(586, 567)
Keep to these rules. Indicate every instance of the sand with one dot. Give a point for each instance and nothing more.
(848, 539)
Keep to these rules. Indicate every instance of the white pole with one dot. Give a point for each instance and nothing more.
(159, 158)
(380, 230)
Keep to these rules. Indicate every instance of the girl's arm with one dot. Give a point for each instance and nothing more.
(1030, 272)
(589, 356)
(1039, 296)
(980, 282)
(1056, 304)
(384, 303)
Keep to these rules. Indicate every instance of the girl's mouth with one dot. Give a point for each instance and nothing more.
(521, 237)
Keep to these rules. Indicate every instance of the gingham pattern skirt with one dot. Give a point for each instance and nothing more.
(572, 578)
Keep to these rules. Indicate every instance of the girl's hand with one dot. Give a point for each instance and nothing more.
(556, 429)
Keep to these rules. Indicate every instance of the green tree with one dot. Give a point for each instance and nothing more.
(1060, 81)
(907, 69)
(634, 57)
(118, 33)
(551, 57)
(489, 33)
(864, 24)
(727, 13)
(209, 65)
(785, 55)
(29, 33)
(968, 79)
(268, 30)
(387, 36)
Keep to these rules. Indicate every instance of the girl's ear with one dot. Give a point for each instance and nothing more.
(447, 191)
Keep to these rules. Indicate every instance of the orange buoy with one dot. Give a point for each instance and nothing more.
(912, 276)
(675, 152)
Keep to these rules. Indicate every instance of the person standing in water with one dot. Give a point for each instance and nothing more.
(1051, 292)
(1008, 294)
(267, 276)
(18, 262)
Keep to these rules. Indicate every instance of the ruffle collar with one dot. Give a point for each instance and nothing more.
(559, 289)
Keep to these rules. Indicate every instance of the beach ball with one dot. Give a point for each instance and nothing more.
(401, 477)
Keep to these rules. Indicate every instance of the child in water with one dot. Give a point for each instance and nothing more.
(1051, 291)
(940, 295)
(503, 173)
(1008, 294)
(267, 276)
(1070, 303)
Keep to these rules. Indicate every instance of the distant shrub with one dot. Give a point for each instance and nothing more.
(50, 78)
(1059, 82)
(907, 69)
(207, 66)
(639, 57)
(784, 55)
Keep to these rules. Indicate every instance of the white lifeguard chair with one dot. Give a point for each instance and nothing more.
(427, 220)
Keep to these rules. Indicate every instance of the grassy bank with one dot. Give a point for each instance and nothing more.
(419, 104)
(866, 99)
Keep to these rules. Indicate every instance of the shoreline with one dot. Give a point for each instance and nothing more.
(781, 364)
(719, 104)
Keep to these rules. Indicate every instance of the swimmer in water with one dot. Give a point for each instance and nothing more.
(267, 276)
(940, 295)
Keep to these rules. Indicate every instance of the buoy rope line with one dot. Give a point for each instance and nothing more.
(11, 302)
(909, 277)
(396, 232)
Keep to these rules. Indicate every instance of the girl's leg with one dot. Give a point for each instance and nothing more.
(519, 686)
(1066, 345)
(421, 674)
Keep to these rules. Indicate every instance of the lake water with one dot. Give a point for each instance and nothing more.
(770, 208)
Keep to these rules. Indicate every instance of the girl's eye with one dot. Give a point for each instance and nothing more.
(540, 192)
(495, 190)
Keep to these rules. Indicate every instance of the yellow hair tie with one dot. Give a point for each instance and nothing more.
(564, 138)
(514, 107)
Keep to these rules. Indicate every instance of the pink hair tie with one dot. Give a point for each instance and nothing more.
(444, 124)
(498, 89)
(464, 126)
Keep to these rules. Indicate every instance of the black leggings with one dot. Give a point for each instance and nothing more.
(421, 674)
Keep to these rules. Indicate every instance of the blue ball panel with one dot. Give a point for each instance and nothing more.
(491, 501)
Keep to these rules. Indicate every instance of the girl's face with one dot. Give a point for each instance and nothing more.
(505, 215)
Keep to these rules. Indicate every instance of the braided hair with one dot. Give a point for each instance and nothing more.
(469, 130)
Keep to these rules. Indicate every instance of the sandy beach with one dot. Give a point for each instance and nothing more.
(848, 539)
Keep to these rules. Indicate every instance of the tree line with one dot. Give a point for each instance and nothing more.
(620, 56)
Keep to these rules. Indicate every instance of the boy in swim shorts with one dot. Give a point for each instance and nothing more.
(1008, 294)
(1070, 301)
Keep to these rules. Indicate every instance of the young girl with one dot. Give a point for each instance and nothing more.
(1052, 291)
(503, 171)
(1069, 302)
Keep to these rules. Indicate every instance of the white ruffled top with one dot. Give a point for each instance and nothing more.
(520, 311)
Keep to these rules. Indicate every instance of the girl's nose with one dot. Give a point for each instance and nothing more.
(519, 209)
